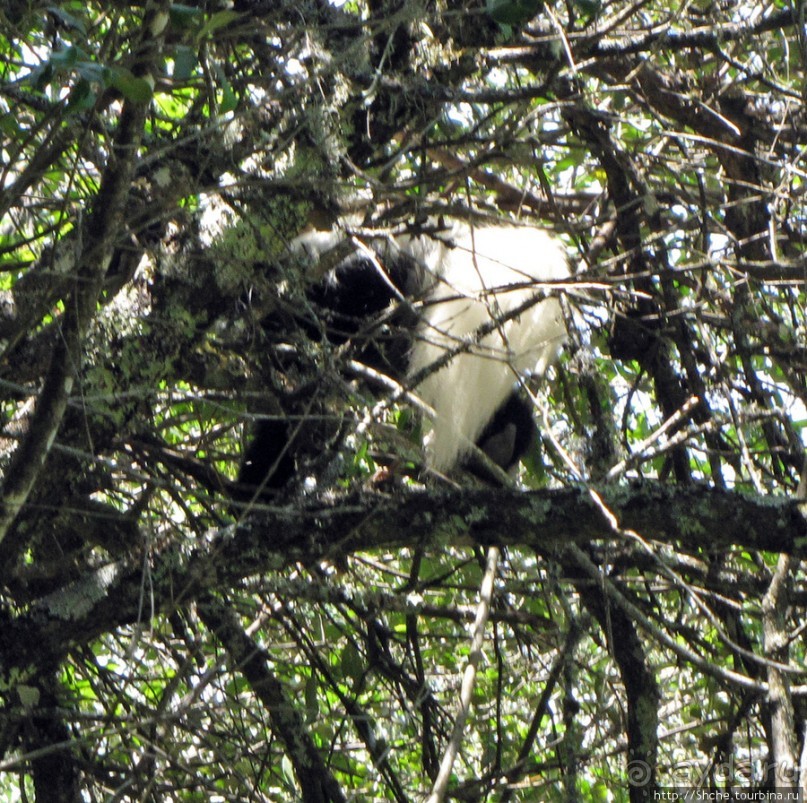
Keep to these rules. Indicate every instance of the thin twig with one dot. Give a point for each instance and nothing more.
(468, 679)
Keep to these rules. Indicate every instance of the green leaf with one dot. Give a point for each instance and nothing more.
(311, 698)
(68, 20)
(219, 20)
(68, 58)
(351, 663)
(9, 126)
(138, 90)
(590, 8)
(93, 72)
(81, 97)
(513, 12)
(185, 17)
(229, 101)
(41, 77)
(185, 61)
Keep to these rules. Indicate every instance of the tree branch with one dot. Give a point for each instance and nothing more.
(692, 517)
(99, 238)
(316, 781)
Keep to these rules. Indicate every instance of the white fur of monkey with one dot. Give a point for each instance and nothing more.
(481, 274)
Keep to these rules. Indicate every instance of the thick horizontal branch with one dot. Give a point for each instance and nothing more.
(692, 517)
(706, 37)
(609, 45)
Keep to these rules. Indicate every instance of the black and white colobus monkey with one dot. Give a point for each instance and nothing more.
(475, 321)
